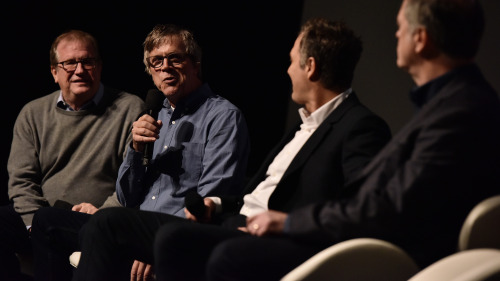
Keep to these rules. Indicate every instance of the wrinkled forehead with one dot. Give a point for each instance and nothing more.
(70, 46)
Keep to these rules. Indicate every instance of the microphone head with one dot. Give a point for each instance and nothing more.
(154, 100)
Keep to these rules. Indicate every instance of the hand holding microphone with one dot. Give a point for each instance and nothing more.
(198, 208)
(146, 129)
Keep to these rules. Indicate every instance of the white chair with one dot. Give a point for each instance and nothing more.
(469, 265)
(481, 228)
(478, 258)
(348, 260)
(356, 260)
(74, 259)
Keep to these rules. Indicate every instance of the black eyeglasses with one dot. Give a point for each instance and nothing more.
(71, 65)
(174, 59)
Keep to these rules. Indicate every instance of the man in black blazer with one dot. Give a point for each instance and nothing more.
(417, 191)
(337, 137)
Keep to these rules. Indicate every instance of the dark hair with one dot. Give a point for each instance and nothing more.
(335, 48)
(73, 35)
(455, 26)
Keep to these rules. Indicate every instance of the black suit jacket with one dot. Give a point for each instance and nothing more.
(419, 189)
(333, 155)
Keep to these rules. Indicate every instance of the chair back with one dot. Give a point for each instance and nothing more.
(481, 228)
(468, 265)
(360, 259)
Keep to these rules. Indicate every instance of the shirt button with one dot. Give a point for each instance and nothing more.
(154, 197)
(173, 122)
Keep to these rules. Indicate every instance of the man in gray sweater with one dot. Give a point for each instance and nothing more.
(67, 146)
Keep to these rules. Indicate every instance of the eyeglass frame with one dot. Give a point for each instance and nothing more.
(83, 62)
(183, 57)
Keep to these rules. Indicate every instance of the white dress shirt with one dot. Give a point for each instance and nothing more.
(257, 201)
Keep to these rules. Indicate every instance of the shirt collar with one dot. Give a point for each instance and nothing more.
(314, 119)
(192, 100)
(95, 101)
(420, 95)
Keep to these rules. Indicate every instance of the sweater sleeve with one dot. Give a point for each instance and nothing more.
(24, 169)
(111, 201)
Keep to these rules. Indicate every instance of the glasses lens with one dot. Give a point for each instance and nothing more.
(155, 62)
(174, 59)
(88, 63)
(71, 65)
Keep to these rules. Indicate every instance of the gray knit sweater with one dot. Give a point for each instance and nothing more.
(69, 155)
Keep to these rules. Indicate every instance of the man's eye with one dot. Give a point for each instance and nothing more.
(156, 60)
(175, 58)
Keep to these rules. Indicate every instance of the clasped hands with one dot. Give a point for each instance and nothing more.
(266, 223)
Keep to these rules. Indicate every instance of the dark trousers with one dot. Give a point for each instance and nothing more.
(180, 249)
(14, 238)
(214, 253)
(54, 236)
(113, 238)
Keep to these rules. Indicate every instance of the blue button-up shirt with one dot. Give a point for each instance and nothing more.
(203, 146)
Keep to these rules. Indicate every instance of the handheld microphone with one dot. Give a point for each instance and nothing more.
(154, 102)
(194, 204)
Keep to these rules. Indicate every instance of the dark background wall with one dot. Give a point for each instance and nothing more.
(246, 54)
(377, 81)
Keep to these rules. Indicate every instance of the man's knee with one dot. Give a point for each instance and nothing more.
(45, 217)
(169, 234)
(107, 218)
(220, 265)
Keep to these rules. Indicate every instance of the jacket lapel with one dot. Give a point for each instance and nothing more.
(317, 137)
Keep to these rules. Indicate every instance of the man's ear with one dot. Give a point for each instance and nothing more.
(423, 44)
(419, 39)
(312, 69)
(53, 71)
(197, 66)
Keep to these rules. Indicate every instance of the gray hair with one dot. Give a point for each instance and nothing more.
(455, 26)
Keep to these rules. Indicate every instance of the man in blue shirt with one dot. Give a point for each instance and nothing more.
(201, 144)
(201, 140)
